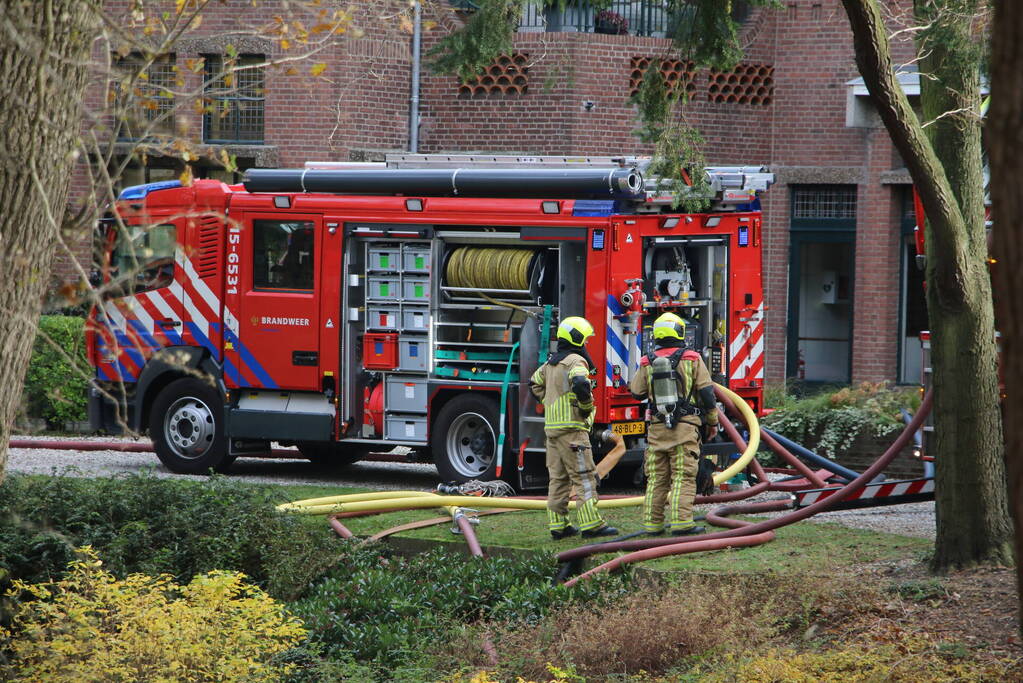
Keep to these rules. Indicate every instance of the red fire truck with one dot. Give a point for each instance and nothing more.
(349, 309)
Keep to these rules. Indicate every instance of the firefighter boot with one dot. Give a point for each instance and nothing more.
(600, 531)
(688, 531)
(557, 524)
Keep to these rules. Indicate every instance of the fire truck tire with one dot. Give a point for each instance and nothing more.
(186, 424)
(330, 456)
(464, 439)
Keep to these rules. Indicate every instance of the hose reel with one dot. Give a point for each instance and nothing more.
(508, 272)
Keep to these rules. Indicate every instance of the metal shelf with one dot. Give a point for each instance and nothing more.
(518, 292)
(496, 326)
(506, 345)
(473, 361)
(471, 380)
(489, 307)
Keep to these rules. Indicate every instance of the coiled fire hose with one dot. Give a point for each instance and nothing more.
(491, 268)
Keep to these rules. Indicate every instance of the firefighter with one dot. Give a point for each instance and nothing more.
(680, 398)
(563, 385)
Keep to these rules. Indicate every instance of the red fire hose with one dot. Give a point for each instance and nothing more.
(465, 526)
(718, 518)
(692, 544)
(795, 462)
(340, 528)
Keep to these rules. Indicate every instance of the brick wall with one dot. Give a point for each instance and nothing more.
(576, 101)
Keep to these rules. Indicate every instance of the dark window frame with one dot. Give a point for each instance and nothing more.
(291, 280)
(230, 92)
(153, 85)
(823, 207)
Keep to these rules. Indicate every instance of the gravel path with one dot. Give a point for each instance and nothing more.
(376, 475)
(913, 519)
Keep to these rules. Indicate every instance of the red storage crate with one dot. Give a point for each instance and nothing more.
(380, 351)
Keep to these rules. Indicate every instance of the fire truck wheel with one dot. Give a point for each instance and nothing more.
(464, 439)
(186, 424)
(330, 456)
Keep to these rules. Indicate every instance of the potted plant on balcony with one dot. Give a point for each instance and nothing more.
(611, 23)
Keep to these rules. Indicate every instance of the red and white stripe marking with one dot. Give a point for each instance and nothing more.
(746, 352)
(881, 490)
(187, 293)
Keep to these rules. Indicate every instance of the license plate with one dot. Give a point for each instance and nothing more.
(628, 428)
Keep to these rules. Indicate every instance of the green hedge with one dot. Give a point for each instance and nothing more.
(57, 377)
(142, 524)
(394, 611)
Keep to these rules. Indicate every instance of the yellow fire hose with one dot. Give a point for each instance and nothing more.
(355, 498)
(412, 500)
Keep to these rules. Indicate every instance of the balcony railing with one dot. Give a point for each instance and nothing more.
(638, 17)
(651, 18)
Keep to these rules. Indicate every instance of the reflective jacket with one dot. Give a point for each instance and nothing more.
(552, 384)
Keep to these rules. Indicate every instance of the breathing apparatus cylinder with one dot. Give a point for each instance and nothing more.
(664, 389)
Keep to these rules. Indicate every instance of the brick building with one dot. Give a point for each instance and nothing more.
(844, 302)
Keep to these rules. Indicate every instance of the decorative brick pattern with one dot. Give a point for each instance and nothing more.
(508, 75)
(677, 74)
(745, 84)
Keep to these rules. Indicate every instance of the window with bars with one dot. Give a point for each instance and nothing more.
(143, 96)
(235, 92)
(824, 201)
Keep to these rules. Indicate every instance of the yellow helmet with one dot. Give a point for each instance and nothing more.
(669, 326)
(575, 330)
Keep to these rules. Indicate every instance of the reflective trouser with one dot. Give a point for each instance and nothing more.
(570, 463)
(670, 465)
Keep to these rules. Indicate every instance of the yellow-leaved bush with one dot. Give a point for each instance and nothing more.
(92, 626)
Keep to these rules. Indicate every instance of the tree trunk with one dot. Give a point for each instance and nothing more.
(963, 350)
(44, 52)
(1006, 144)
(972, 510)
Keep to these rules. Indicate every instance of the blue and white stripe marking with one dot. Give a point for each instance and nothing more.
(623, 349)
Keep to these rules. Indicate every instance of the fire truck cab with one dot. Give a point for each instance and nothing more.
(349, 310)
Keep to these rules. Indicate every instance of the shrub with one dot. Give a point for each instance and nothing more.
(650, 631)
(392, 611)
(670, 628)
(834, 420)
(91, 626)
(57, 377)
(906, 659)
(154, 526)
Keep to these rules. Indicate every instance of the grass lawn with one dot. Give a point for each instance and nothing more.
(800, 548)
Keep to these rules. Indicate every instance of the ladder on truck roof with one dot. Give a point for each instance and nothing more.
(731, 186)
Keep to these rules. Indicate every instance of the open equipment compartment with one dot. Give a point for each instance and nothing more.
(687, 275)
